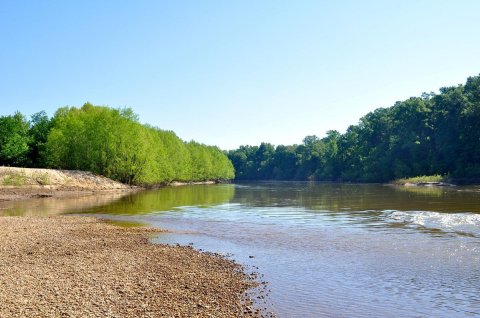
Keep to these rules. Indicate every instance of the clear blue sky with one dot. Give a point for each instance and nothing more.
(234, 72)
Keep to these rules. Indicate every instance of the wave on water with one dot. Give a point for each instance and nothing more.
(461, 223)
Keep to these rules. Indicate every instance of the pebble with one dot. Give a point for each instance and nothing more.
(87, 268)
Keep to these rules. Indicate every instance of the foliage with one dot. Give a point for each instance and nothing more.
(110, 142)
(40, 126)
(209, 163)
(14, 178)
(14, 140)
(42, 178)
(435, 134)
(421, 179)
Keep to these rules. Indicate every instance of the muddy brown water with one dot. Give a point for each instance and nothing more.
(326, 250)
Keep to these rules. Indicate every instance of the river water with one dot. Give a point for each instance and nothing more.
(326, 250)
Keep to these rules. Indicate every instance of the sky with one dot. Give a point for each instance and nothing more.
(230, 73)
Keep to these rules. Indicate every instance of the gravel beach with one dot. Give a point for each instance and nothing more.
(75, 266)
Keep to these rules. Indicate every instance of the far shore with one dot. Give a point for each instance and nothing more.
(425, 184)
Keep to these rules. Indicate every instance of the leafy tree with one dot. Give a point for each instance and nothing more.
(284, 163)
(427, 135)
(40, 125)
(14, 140)
(112, 142)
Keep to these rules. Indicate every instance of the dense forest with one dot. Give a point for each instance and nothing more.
(431, 134)
(427, 135)
(110, 142)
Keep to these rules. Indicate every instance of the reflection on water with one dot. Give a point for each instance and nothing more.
(330, 250)
(359, 197)
(124, 203)
(165, 199)
(53, 206)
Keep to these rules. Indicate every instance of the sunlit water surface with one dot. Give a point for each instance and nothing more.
(326, 250)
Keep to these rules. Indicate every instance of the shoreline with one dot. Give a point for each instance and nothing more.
(19, 193)
(80, 266)
(423, 184)
(31, 183)
(8, 194)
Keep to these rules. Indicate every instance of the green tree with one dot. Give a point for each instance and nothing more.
(427, 135)
(113, 143)
(14, 140)
(40, 125)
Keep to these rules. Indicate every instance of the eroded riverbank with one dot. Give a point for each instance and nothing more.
(18, 184)
(81, 267)
(28, 183)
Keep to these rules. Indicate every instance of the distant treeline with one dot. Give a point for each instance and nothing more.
(427, 135)
(110, 142)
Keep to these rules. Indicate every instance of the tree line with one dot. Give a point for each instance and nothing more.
(426, 135)
(110, 142)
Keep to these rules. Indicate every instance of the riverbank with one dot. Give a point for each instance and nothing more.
(424, 181)
(72, 266)
(31, 183)
(425, 184)
(27, 183)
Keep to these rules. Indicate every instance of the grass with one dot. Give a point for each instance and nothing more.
(421, 179)
(20, 178)
(14, 179)
(42, 178)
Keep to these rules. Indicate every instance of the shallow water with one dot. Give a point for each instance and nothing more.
(329, 250)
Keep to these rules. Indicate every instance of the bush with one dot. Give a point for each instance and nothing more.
(112, 142)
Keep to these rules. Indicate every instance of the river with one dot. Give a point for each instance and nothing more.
(326, 250)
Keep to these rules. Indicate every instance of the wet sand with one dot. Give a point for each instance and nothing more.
(75, 266)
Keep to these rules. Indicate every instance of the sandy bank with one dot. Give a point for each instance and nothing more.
(80, 267)
(25, 183)
(29, 183)
(427, 184)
